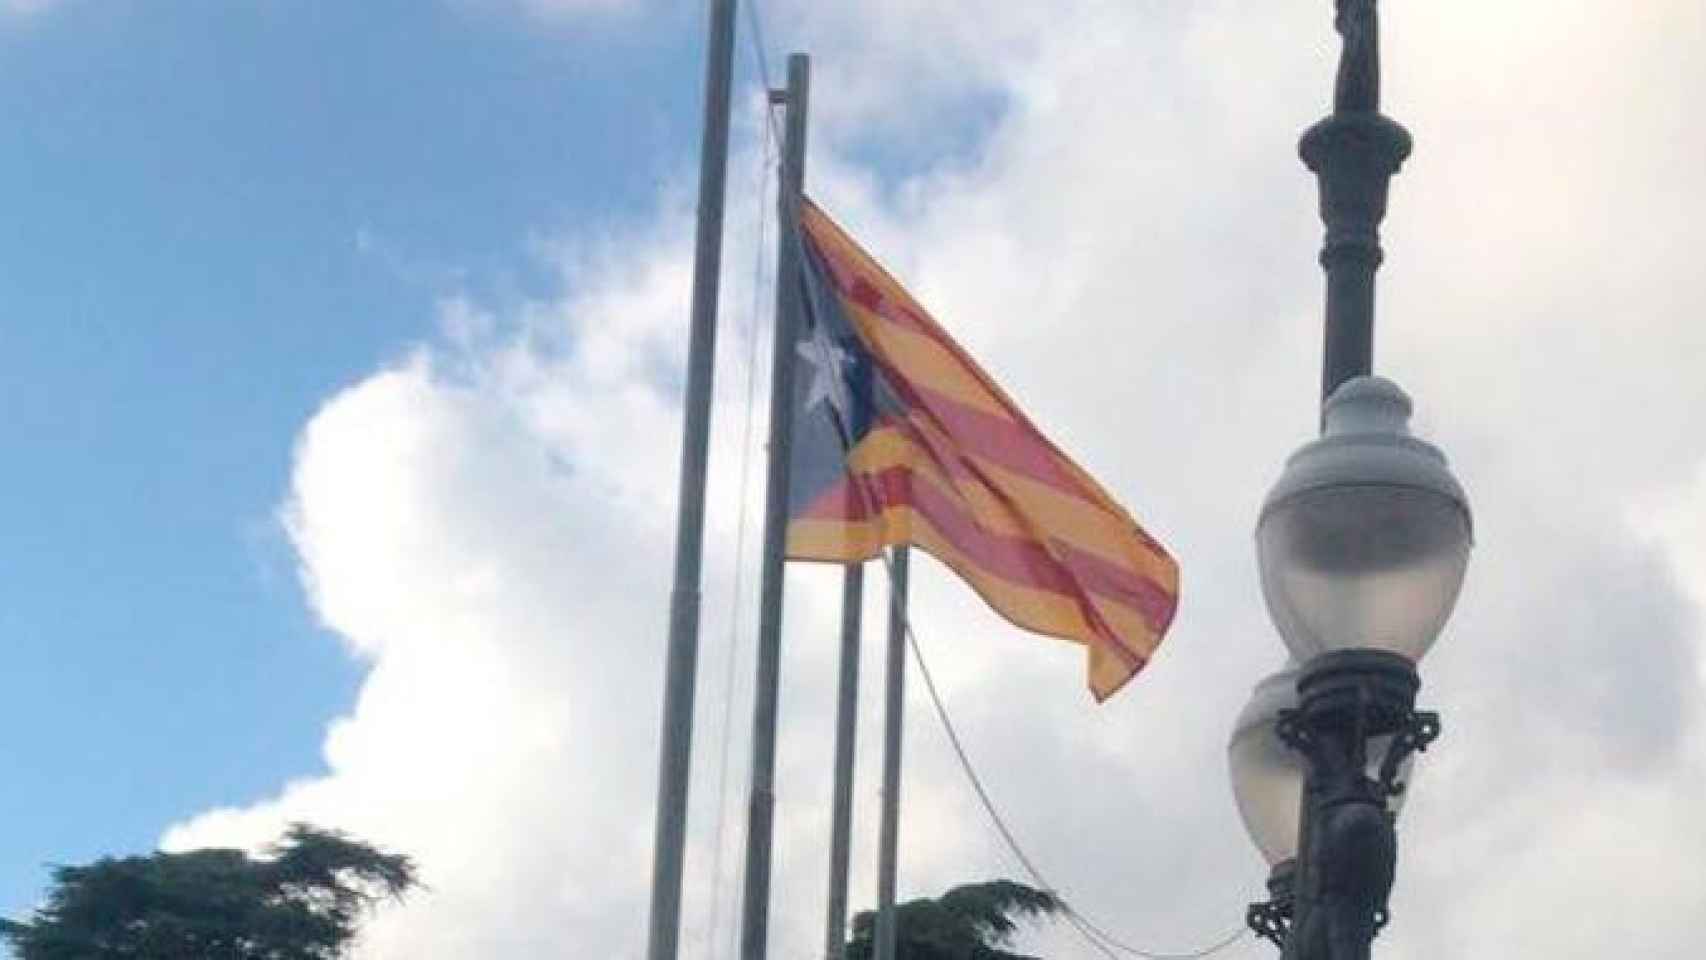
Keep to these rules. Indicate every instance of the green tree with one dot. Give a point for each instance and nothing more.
(971, 922)
(303, 901)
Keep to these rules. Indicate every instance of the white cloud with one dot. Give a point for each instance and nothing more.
(1676, 517)
(1130, 247)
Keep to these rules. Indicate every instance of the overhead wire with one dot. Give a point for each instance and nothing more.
(769, 156)
(1092, 932)
(755, 315)
(755, 38)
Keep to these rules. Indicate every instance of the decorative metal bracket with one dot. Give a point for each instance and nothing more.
(1295, 731)
(1272, 919)
(1420, 728)
(1270, 922)
(1348, 700)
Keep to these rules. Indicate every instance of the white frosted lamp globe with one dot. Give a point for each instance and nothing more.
(1364, 541)
(1267, 776)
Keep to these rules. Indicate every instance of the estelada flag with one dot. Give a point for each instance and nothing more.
(900, 438)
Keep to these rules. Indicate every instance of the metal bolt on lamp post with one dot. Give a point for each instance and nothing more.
(1362, 544)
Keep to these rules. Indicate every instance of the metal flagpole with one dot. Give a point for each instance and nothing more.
(846, 703)
(755, 907)
(846, 718)
(676, 746)
(894, 702)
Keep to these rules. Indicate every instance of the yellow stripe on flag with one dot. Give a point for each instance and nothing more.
(1083, 524)
(924, 361)
(887, 448)
(837, 541)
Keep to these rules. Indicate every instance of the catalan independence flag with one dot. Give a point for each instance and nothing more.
(900, 438)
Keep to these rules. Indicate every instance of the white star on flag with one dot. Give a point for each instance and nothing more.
(829, 365)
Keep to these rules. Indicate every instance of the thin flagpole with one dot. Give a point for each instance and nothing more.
(675, 760)
(847, 692)
(755, 907)
(894, 703)
(846, 719)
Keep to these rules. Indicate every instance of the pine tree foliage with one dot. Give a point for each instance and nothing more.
(975, 921)
(303, 901)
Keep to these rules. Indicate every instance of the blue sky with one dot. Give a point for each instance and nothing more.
(218, 214)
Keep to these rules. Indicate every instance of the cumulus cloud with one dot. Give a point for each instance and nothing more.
(471, 523)
(1124, 236)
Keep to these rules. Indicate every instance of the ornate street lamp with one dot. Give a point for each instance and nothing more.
(1363, 544)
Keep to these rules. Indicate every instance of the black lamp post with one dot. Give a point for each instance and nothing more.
(1363, 544)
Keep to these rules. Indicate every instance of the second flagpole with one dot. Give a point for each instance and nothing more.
(894, 705)
(846, 720)
(761, 809)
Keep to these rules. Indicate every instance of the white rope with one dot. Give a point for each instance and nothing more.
(752, 331)
(755, 38)
(1092, 933)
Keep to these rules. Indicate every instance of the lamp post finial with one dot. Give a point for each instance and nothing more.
(1358, 87)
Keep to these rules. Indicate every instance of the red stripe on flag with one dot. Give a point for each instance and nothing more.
(999, 441)
(844, 501)
(1023, 561)
(1070, 570)
(839, 502)
(850, 280)
(1058, 569)
(1154, 601)
(1014, 445)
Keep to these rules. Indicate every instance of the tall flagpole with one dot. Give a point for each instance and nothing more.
(846, 718)
(755, 907)
(894, 697)
(846, 707)
(676, 744)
